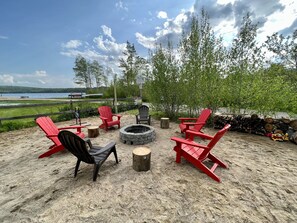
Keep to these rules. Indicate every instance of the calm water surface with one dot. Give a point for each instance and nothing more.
(34, 95)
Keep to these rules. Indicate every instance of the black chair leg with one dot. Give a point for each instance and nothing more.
(76, 167)
(115, 154)
(96, 170)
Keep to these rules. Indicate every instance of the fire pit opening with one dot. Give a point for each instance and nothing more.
(137, 134)
(137, 129)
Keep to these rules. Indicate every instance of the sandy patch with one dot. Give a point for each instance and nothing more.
(259, 186)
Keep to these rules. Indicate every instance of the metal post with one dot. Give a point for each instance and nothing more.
(115, 94)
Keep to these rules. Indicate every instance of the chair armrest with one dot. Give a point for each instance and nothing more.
(72, 127)
(187, 119)
(188, 142)
(199, 134)
(104, 149)
(118, 116)
(103, 118)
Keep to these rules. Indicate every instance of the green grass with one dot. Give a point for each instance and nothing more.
(87, 109)
(20, 111)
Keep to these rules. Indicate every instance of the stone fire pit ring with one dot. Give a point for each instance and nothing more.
(137, 134)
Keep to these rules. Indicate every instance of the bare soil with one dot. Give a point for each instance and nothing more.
(259, 186)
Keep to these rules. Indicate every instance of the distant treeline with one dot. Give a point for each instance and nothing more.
(21, 89)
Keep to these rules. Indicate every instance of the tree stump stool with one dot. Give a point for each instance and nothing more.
(164, 123)
(93, 131)
(293, 137)
(141, 159)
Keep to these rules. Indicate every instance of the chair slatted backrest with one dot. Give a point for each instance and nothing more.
(105, 111)
(214, 141)
(143, 111)
(48, 127)
(76, 145)
(202, 118)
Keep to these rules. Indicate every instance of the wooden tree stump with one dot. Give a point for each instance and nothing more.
(269, 127)
(141, 159)
(93, 131)
(293, 137)
(164, 123)
(269, 120)
(293, 124)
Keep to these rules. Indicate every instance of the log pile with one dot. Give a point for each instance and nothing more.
(277, 129)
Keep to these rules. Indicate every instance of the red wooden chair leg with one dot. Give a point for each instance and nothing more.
(216, 160)
(205, 169)
(52, 150)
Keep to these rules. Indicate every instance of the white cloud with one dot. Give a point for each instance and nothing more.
(88, 54)
(147, 42)
(42, 82)
(107, 31)
(108, 46)
(162, 15)
(226, 30)
(40, 73)
(3, 37)
(171, 30)
(121, 5)
(72, 44)
(105, 50)
(275, 24)
(100, 43)
(225, 17)
(6, 79)
(33, 79)
(225, 2)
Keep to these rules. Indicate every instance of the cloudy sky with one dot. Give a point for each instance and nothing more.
(39, 39)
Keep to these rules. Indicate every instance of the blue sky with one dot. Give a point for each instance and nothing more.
(39, 39)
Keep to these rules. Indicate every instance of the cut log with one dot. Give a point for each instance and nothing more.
(269, 120)
(93, 131)
(141, 159)
(293, 124)
(164, 123)
(269, 127)
(293, 137)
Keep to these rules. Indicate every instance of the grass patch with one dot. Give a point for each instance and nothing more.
(86, 108)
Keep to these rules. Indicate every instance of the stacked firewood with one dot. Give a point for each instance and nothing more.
(278, 129)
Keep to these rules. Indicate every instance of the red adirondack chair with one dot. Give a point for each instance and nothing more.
(196, 153)
(107, 118)
(197, 123)
(51, 131)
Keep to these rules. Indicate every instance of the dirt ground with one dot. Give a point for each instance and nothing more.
(259, 186)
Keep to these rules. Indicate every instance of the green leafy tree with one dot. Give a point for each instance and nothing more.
(88, 73)
(245, 58)
(81, 72)
(163, 88)
(272, 93)
(203, 57)
(130, 64)
(97, 73)
(284, 60)
(284, 49)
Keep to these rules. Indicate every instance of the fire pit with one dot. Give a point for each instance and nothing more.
(137, 134)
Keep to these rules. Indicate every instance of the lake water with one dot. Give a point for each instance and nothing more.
(34, 95)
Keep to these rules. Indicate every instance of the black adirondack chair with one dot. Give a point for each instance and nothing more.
(78, 147)
(143, 116)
